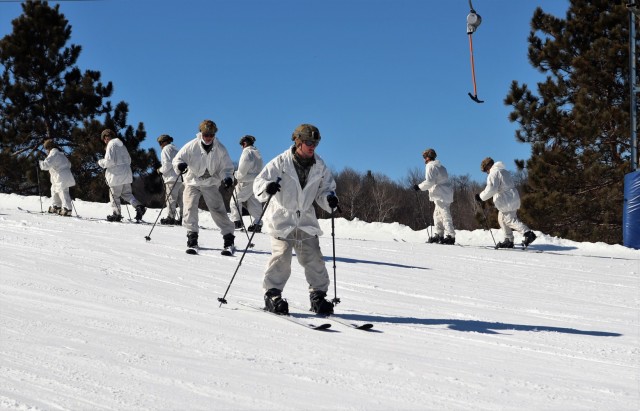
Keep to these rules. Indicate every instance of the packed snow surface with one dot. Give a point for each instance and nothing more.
(94, 316)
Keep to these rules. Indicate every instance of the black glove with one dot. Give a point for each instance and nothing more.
(228, 182)
(182, 167)
(273, 188)
(416, 187)
(478, 199)
(332, 200)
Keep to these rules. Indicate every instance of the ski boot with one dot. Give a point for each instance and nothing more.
(319, 304)
(448, 240)
(54, 209)
(529, 237)
(140, 210)
(255, 228)
(229, 246)
(192, 239)
(167, 221)
(273, 302)
(238, 225)
(507, 243)
(436, 239)
(114, 218)
(65, 212)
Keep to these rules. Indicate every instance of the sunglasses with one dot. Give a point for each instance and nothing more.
(208, 135)
(311, 143)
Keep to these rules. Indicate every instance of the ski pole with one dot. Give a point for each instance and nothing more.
(422, 214)
(222, 299)
(39, 192)
(166, 200)
(335, 300)
(235, 199)
(473, 21)
(74, 209)
(486, 224)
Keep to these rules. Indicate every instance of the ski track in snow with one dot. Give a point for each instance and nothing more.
(93, 316)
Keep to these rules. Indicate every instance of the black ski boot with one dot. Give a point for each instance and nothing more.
(114, 218)
(529, 237)
(229, 246)
(167, 221)
(54, 209)
(435, 239)
(192, 239)
(238, 225)
(273, 302)
(318, 303)
(255, 228)
(448, 240)
(65, 212)
(140, 210)
(507, 243)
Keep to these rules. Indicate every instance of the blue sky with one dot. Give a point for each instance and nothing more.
(381, 79)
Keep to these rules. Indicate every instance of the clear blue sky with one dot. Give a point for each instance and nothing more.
(381, 79)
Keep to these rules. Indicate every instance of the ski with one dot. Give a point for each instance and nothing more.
(519, 248)
(228, 252)
(355, 325)
(289, 317)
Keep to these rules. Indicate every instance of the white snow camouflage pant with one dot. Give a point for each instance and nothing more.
(174, 197)
(442, 218)
(61, 198)
(122, 191)
(309, 256)
(244, 192)
(214, 201)
(508, 221)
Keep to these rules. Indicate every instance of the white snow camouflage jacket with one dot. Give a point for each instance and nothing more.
(60, 170)
(500, 186)
(292, 206)
(436, 181)
(249, 166)
(169, 152)
(204, 169)
(117, 163)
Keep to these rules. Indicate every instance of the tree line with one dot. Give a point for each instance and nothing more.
(576, 123)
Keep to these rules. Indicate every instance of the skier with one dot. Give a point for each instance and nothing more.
(117, 163)
(206, 165)
(249, 166)
(173, 185)
(436, 181)
(500, 186)
(291, 219)
(61, 179)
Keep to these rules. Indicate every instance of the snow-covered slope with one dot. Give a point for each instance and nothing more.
(93, 316)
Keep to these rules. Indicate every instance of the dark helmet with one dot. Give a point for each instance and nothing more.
(429, 153)
(306, 132)
(208, 127)
(49, 144)
(107, 132)
(486, 164)
(165, 138)
(247, 139)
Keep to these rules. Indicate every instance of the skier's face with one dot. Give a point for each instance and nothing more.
(306, 148)
(207, 138)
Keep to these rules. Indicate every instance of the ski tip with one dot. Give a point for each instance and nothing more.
(191, 251)
(324, 326)
(367, 326)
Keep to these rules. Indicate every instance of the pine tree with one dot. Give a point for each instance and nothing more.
(43, 94)
(578, 123)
